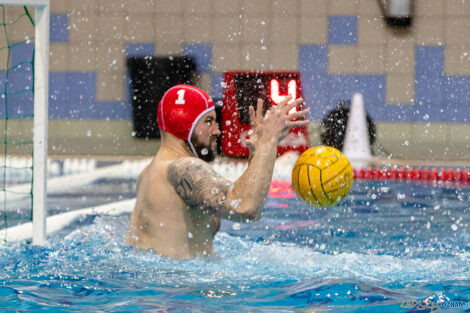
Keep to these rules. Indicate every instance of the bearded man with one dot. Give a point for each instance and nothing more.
(180, 198)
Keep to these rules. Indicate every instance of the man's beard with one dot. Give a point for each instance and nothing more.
(205, 153)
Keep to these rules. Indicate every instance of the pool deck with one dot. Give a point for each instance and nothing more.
(397, 143)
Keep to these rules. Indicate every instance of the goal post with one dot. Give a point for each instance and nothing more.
(40, 123)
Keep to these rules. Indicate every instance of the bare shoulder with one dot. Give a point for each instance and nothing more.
(188, 165)
(198, 184)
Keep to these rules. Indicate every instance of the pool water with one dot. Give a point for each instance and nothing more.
(385, 244)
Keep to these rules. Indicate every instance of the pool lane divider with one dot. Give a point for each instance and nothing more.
(414, 174)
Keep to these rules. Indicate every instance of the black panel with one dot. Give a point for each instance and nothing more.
(150, 78)
(249, 89)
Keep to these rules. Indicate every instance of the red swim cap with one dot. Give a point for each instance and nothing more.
(181, 108)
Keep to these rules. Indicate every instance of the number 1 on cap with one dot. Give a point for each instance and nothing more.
(180, 99)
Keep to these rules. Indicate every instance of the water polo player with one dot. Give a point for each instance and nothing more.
(180, 198)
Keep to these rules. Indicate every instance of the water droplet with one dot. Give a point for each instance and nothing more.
(204, 151)
(190, 235)
(236, 226)
(454, 227)
(236, 203)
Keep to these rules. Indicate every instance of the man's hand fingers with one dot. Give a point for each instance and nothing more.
(284, 101)
(259, 110)
(267, 114)
(293, 104)
(252, 115)
(291, 124)
(299, 114)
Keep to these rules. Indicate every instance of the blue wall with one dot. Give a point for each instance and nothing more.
(438, 97)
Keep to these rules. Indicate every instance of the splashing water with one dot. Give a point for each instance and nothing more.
(364, 254)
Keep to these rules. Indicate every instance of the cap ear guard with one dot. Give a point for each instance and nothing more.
(194, 126)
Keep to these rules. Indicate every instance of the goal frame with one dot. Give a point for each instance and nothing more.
(41, 105)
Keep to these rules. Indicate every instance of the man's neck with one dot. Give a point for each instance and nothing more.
(173, 148)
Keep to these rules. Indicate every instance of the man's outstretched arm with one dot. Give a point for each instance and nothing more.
(202, 188)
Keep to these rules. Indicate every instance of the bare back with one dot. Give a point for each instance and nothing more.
(162, 220)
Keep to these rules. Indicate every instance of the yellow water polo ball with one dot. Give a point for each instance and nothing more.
(322, 176)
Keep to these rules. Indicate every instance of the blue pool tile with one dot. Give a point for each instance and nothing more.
(114, 110)
(372, 88)
(217, 90)
(202, 54)
(70, 94)
(394, 113)
(428, 90)
(342, 30)
(458, 113)
(59, 95)
(429, 61)
(82, 87)
(341, 87)
(20, 105)
(457, 97)
(19, 97)
(140, 49)
(21, 53)
(430, 82)
(457, 90)
(313, 59)
(59, 25)
(20, 81)
(315, 94)
(20, 78)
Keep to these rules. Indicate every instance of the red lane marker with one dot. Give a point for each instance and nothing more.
(362, 173)
(418, 174)
(386, 174)
(459, 175)
(466, 176)
(411, 174)
(442, 174)
(426, 174)
(402, 173)
(378, 173)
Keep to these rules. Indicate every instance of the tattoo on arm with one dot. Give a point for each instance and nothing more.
(199, 185)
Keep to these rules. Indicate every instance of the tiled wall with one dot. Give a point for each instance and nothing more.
(420, 74)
